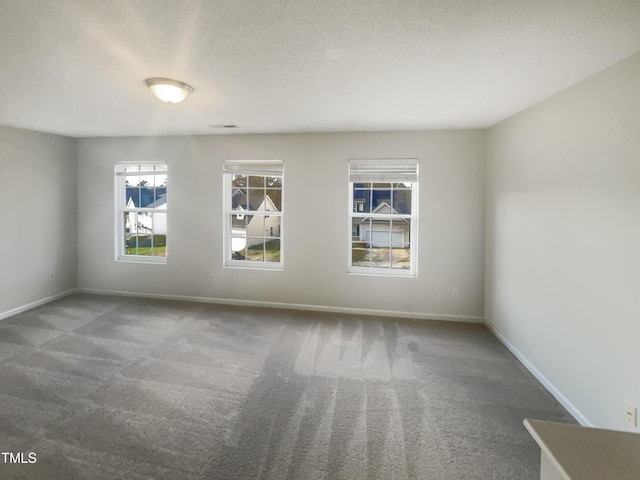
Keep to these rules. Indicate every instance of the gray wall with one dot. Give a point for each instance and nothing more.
(38, 216)
(563, 241)
(315, 272)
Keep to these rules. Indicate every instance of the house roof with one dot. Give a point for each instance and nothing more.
(383, 208)
(239, 198)
(143, 197)
(160, 200)
(239, 222)
(401, 202)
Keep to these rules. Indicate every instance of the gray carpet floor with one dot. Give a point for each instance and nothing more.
(107, 388)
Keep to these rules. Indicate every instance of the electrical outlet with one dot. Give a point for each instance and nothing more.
(631, 413)
(212, 278)
(455, 293)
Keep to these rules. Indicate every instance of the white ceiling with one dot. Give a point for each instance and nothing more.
(77, 67)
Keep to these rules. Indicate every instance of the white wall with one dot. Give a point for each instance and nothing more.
(451, 220)
(38, 217)
(563, 241)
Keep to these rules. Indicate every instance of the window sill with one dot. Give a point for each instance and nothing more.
(382, 273)
(143, 260)
(242, 265)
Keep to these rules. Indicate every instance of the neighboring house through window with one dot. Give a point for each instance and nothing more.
(253, 214)
(383, 199)
(141, 212)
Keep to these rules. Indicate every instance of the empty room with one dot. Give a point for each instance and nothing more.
(319, 239)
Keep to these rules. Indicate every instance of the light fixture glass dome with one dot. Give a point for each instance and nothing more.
(167, 90)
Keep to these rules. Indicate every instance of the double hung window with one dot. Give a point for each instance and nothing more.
(383, 227)
(141, 212)
(253, 214)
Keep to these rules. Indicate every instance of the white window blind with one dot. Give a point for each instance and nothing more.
(140, 168)
(254, 167)
(383, 170)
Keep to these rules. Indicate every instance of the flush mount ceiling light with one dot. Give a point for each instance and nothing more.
(167, 90)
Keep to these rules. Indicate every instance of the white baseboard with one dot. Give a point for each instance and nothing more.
(37, 303)
(292, 306)
(564, 401)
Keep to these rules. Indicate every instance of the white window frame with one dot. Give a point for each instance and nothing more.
(159, 168)
(266, 168)
(384, 170)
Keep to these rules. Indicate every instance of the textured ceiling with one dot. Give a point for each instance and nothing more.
(77, 67)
